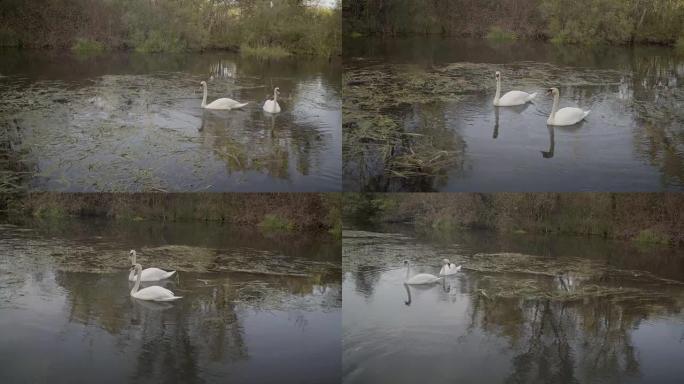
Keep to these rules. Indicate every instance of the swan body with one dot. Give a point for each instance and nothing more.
(272, 106)
(421, 278)
(449, 268)
(148, 274)
(153, 293)
(511, 98)
(222, 103)
(564, 116)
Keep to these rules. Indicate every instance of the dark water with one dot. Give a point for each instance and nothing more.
(631, 141)
(524, 309)
(66, 314)
(133, 122)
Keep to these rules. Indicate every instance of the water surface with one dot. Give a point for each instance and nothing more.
(133, 122)
(66, 315)
(418, 116)
(524, 309)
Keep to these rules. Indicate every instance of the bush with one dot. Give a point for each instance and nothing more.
(264, 52)
(500, 34)
(273, 223)
(87, 46)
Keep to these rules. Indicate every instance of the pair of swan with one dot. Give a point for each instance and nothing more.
(427, 278)
(224, 103)
(153, 293)
(560, 117)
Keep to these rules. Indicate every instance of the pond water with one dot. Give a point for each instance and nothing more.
(524, 309)
(133, 122)
(66, 314)
(418, 116)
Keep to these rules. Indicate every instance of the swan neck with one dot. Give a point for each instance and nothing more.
(137, 282)
(204, 97)
(556, 102)
(498, 90)
(134, 259)
(275, 96)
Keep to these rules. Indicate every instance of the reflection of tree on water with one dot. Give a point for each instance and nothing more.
(176, 341)
(565, 340)
(657, 93)
(259, 142)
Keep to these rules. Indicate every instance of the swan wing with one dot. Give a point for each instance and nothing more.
(225, 103)
(569, 116)
(515, 98)
(271, 106)
(422, 278)
(155, 293)
(152, 274)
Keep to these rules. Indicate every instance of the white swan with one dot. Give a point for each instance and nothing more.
(564, 116)
(271, 106)
(153, 293)
(148, 274)
(449, 268)
(222, 103)
(511, 98)
(421, 278)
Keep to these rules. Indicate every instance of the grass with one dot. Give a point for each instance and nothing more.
(87, 46)
(275, 223)
(652, 236)
(500, 34)
(264, 51)
(679, 45)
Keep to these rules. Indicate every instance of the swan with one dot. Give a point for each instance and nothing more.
(153, 293)
(148, 274)
(421, 278)
(511, 98)
(449, 268)
(271, 106)
(222, 103)
(564, 116)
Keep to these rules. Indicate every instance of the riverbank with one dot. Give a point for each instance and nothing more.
(263, 28)
(586, 22)
(267, 211)
(640, 217)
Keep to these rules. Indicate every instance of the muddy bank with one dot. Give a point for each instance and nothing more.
(644, 218)
(270, 211)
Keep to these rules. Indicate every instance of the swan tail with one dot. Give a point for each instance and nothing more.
(169, 274)
(240, 105)
(586, 113)
(532, 96)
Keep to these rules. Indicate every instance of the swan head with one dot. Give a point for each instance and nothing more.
(277, 90)
(445, 261)
(552, 91)
(203, 83)
(497, 75)
(137, 268)
(131, 253)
